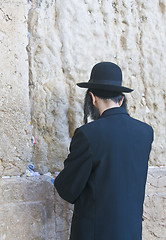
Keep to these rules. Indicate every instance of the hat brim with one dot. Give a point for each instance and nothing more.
(107, 87)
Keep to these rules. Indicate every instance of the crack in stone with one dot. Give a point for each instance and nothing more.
(5, 16)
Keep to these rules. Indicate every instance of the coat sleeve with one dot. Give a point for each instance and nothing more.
(77, 168)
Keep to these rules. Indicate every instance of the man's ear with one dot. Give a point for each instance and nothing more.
(121, 102)
(93, 98)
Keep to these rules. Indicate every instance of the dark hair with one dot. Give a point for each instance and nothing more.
(91, 111)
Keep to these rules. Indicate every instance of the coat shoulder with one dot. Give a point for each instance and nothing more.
(89, 128)
(142, 128)
(143, 125)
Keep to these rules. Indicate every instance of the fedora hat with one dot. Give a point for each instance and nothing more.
(105, 76)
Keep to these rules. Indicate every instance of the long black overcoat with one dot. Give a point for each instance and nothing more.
(104, 176)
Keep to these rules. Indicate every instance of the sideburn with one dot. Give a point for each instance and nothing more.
(89, 109)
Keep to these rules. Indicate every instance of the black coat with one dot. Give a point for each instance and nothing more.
(104, 176)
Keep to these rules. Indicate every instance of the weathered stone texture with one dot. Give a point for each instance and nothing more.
(27, 209)
(31, 210)
(66, 39)
(154, 224)
(63, 216)
(15, 140)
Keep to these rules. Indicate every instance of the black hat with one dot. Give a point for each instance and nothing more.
(105, 76)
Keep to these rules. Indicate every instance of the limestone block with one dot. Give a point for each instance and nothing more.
(63, 216)
(154, 224)
(66, 39)
(27, 209)
(15, 140)
(48, 91)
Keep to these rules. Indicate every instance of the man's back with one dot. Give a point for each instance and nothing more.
(108, 164)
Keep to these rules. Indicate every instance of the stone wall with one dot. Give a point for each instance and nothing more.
(154, 224)
(66, 39)
(50, 45)
(15, 131)
(27, 209)
(31, 210)
(46, 47)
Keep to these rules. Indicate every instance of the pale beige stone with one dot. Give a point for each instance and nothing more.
(63, 216)
(27, 209)
(15, 140)
(66, 38)
(30, 209)
(154, 224)
(48, 93)
(65, 42)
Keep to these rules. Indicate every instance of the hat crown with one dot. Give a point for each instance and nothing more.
(105, 76)
(106, 72)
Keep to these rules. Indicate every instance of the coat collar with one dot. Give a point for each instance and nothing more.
(113, 111)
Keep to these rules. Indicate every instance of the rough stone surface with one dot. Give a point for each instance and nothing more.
(154, 224)
(27, 209)
(64, 43)
(63, 217)
(30, 209)
(66, 39)
(37, 80)
(15, 140)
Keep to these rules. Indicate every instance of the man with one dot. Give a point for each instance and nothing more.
(105, 173)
